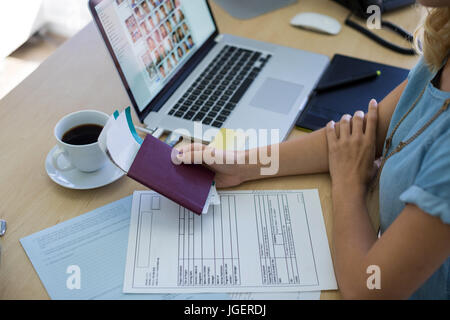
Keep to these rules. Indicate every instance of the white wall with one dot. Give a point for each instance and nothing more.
(17, 23)
(66, 17)
(21, 19)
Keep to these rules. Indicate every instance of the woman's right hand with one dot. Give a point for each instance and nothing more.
(229, 166)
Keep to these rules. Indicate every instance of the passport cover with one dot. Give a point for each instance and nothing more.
(187, 185)
(332, 105)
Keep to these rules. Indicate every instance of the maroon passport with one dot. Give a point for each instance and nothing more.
(187, 185)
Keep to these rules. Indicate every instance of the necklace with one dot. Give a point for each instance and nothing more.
(403, 144)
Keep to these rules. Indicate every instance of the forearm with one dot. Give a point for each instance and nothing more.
(353, 236)
(304, 155)
(308, 154)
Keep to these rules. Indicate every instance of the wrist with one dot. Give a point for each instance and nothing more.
(349, 188)
(247, 170)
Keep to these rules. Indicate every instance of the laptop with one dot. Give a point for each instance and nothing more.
(181, 73)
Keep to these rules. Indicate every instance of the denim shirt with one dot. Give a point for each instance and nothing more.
(420, 173)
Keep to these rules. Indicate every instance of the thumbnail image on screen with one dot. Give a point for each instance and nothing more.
(166, 32)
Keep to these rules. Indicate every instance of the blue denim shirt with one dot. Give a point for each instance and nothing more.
(420, 173)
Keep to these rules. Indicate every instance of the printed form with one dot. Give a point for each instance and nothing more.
(254, 241)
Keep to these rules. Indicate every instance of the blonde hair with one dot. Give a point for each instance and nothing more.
(432, 38)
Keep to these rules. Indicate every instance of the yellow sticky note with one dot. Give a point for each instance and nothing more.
(304, 129)
(228, 139)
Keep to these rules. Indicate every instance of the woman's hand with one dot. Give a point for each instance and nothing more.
(226, 164)
(352, 152)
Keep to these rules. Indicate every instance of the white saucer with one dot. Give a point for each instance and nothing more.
(75, 179)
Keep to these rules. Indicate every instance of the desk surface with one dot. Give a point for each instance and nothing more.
(69, 80)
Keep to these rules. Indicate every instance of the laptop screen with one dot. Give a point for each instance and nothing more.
(153, 39)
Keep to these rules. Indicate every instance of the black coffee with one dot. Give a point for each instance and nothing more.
(81, 135)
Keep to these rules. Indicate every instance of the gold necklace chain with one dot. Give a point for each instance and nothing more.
(403, 144)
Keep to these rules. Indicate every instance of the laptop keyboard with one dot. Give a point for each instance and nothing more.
(215, 93)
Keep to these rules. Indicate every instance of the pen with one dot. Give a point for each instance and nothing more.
(348, 81)
(2, 233)
(157, 133)
(147, 131)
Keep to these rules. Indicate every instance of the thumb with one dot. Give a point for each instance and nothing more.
(192, 153)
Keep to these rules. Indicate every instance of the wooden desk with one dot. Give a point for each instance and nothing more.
(74, 77)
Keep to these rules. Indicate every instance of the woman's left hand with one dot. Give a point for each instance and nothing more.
(352, 151)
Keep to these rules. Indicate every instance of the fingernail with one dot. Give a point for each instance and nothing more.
(359, 114)
(374, 103)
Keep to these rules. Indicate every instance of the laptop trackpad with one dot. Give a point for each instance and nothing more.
(277, 95)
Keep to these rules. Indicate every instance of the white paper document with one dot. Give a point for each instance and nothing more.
(254, 241)
(117, 140)
(304, 295)
(84, 258)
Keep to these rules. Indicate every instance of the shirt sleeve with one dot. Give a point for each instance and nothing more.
(431, 189)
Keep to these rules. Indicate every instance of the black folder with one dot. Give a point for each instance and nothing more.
(332, 105)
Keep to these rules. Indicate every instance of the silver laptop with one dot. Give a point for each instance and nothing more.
(180, 73)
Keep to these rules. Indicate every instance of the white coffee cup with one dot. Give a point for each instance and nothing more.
(86, 158)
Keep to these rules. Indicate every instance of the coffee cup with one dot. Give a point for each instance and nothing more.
(76, 136)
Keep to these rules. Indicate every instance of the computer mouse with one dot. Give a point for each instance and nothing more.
(316, 22)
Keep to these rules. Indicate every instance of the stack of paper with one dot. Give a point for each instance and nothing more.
(254, 241)
(84, 258)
